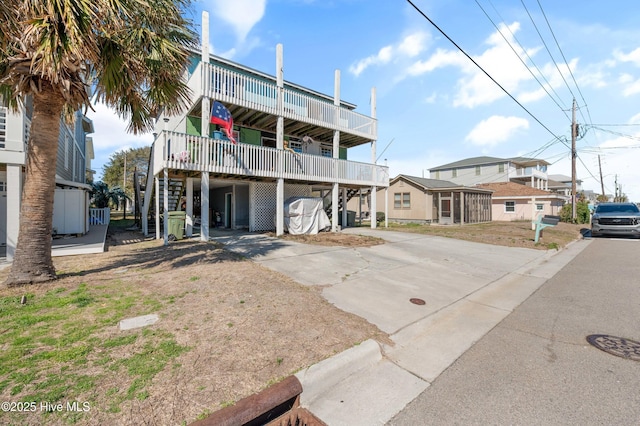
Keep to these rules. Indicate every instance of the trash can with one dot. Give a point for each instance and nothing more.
(351, 218)
(176, 223)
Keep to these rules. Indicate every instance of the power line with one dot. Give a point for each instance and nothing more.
(620, 134)
(482, 69)
(564, 110)
(565, 62)
(544, 43)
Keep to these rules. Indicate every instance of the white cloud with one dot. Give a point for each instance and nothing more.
(441, 58)
(635, 119)
(242, 15)
(625, 78)
(383, 56)
(111, 136)
(410, 46)
(633, 56)
(431, 99)
(501, 64)
(413, 44)
(632, 89)
(496, 129)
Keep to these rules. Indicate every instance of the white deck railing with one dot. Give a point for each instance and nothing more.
(99, 216)
(261, 95)
(181, 151)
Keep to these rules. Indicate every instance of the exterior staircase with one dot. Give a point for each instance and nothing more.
(341, 202)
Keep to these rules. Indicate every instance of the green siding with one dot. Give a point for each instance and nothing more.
(194, 124)
(250, 136)
(342, 153)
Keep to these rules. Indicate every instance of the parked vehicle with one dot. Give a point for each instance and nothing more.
(616, 219)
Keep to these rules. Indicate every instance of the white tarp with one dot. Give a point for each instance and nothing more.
(305, 215)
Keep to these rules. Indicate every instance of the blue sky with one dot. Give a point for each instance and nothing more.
(434, 105)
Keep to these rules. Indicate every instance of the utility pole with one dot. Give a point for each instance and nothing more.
(574, 135)
(601, 181)
(615, 197)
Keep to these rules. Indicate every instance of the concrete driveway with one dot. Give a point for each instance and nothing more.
(467, 288)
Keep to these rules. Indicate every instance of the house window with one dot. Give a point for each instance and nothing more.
(326, 151)
(454, 173)
(477, 170)
(402, 200)
(539, 207)
(510, 206)
(296, 146)
(438, 174)
(501, 168)
(3, 186)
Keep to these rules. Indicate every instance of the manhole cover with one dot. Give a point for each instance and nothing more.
(417, 301)
(618, 346)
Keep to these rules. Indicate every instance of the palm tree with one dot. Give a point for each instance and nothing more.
(102, 195)
(130, 53)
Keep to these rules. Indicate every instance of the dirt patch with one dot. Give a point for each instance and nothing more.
(333, 239)
(238, 327)
(510, 234)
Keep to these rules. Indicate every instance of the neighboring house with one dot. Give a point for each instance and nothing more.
(415, 199)
(291, 141)
(71, 202)
(513, 201)
(562, 184)
(476, 170)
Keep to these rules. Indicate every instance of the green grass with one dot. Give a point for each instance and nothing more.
(54, 349)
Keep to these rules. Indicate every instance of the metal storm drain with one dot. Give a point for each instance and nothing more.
(618, 346)
(417, 301)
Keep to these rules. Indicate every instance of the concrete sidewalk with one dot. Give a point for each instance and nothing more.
(467, 288)
(91, 242)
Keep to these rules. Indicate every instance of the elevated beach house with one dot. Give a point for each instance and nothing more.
(288, 141)
(71, 213)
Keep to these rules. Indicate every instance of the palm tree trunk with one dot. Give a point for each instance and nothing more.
(32, 261)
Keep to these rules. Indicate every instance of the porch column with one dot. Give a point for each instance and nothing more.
(165, 202)
(386, 207)
(335, 199)
(14, 196)
(336, 151)
(360, 205)
(461, 207)
(205, 111)
(374, 189)
(157, 182)
(189, 218)
(280, 140)
(374, 206)
(344, 207)
(204, 206)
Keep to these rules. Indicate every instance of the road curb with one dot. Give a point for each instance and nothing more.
(319, 378)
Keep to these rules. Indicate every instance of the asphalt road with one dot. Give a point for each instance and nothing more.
(536, 367)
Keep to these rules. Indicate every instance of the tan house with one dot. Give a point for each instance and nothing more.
(422, 200)
(513, 201)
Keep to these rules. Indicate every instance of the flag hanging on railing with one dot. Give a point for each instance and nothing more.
(221, 116)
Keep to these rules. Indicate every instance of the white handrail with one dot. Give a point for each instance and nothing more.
(196, 153)
(99, 216)
(261, 94)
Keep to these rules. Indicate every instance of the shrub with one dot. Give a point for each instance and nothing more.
(582, 212)
(379, 217)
